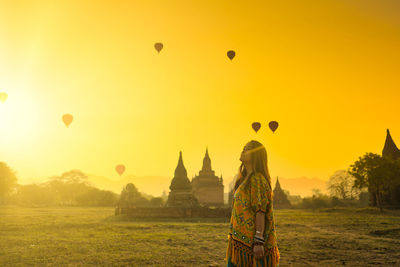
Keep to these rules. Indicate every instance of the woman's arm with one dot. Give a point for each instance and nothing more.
(258, 249)
(260, 224)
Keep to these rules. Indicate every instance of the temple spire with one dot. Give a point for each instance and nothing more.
(180, 169)
(207, 187)
(180, 179)
(277, 185)
(206, 162)
(390, 147)
(280, 198)
(181, 188)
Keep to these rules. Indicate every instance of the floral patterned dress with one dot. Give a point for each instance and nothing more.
(253, 195)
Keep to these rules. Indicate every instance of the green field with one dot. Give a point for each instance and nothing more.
(94, 236)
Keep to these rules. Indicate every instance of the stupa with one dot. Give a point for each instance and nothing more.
(280, 200)
(207, 187)
(393, 196)
(181, 189)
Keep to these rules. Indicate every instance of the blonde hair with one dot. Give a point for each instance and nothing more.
(259, 160)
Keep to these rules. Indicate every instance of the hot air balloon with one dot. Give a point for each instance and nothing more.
(67, 119)
(231, 54)
(158, 46)
(256, 126)
(273, 125)
(3, 97)
(120, 169)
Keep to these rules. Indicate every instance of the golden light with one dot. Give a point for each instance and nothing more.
(20, 122)
(3, 97)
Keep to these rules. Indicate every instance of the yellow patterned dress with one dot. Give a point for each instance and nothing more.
(254, 194)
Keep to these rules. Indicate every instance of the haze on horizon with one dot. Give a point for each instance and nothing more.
(330, 81)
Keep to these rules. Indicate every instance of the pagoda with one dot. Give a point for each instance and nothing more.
(181, 188)
(389, 150)
(280, 200)
(207, 187)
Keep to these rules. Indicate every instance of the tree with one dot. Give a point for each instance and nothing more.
(316, 192)
(129, 196)
(8, 181)
(378, 173)
(341, 185)
(68, 186)
(293, 199)
(73, 177)
(32, 195)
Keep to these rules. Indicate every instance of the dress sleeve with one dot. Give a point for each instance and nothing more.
(259, 191)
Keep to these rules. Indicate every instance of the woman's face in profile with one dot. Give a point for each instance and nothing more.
(245, 155)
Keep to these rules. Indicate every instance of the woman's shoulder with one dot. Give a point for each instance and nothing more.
(259, 177)
(259, 174)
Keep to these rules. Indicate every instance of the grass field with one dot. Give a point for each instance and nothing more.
(94, 236)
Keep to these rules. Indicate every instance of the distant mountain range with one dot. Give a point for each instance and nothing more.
(301, 186)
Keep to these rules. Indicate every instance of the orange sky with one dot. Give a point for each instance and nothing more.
(327, 71)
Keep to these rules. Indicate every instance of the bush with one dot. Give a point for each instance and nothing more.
(97, 197)
(46, 195)
(324, 201)
(364, 199)
(131, 197)
(316, 202)
(33, 195)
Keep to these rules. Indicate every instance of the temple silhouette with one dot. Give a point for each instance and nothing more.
(200, 198)
(393, 196)
(181, 188)
(205, 189)
(280, 200)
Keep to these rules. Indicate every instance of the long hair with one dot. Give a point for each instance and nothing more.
(259, 160)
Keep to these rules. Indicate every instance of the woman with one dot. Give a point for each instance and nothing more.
(252, 238)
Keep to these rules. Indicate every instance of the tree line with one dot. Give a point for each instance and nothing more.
(71, 188)
(367, 182)
(371, 175)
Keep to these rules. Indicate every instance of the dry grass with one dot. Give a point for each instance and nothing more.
(93, 236)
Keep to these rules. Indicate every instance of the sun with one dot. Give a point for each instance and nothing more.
(20, 120)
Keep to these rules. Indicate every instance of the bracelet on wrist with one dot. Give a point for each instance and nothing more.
(259, 238)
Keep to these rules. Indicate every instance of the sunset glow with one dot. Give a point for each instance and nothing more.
(327, 71)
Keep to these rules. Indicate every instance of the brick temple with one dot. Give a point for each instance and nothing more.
(206, 186)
